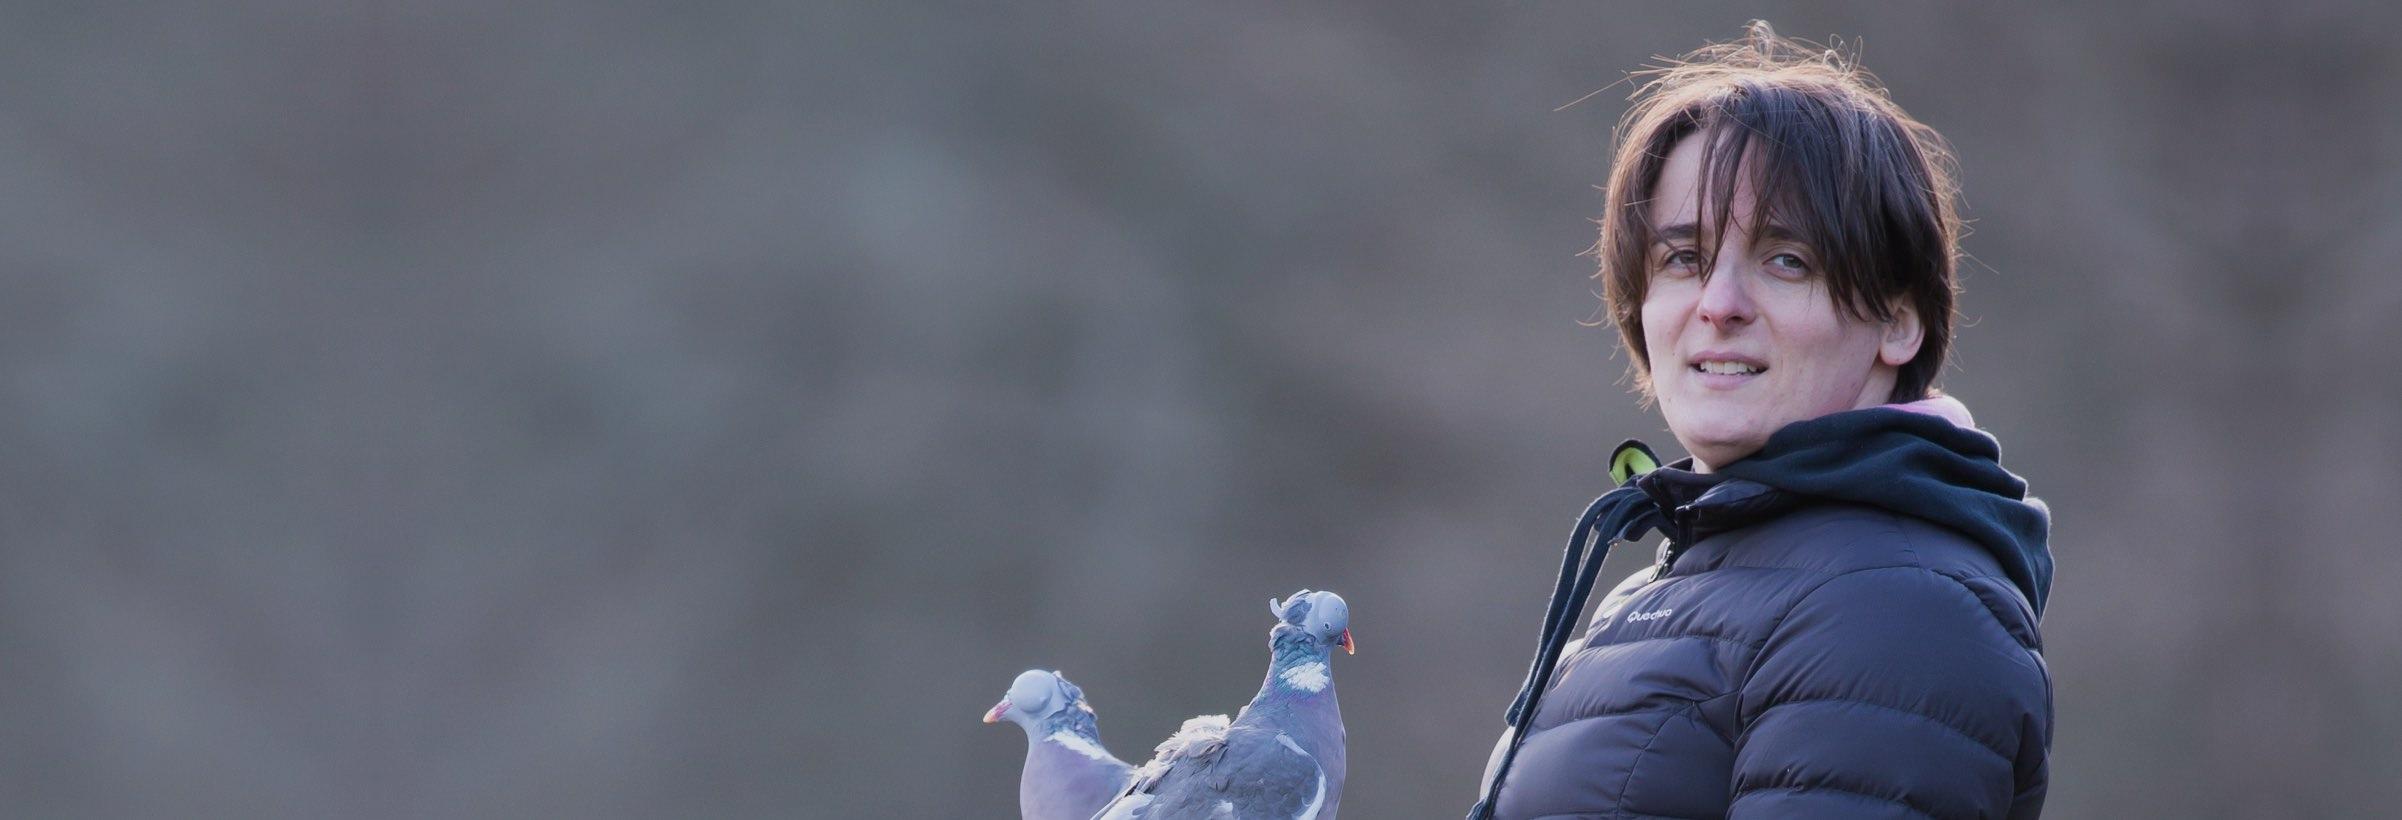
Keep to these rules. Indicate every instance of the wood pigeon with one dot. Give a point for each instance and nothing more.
(1068, 774)
(1281, 758)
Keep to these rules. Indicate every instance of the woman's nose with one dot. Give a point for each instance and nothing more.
(1725, 301)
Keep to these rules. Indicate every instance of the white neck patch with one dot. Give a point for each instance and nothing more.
(1308, 677)
(1081, 746)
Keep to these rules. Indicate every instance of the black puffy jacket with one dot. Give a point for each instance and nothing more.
(1842, 625)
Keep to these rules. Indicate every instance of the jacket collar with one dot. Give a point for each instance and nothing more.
(1699, 505)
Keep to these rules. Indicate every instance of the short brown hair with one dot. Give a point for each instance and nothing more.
(1872, 190)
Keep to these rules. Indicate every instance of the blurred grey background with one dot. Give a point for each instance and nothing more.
(703, 410)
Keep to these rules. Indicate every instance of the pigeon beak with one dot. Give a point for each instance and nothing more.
(1345, 643)
(998, 710)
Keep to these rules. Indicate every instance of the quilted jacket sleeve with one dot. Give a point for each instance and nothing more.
(1896, 692)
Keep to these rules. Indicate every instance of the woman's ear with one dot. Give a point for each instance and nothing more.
(1902, 335)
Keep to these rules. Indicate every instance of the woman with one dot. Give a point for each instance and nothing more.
(1842, 619)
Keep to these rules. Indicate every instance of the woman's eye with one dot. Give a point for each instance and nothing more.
(1790, 264)
(1680, 260)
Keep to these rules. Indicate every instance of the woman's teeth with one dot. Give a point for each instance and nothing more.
(1726, 368)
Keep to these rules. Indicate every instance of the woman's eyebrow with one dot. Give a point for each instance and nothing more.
(1779, 232)
(1685, 231)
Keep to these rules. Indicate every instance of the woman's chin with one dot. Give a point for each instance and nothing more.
(1719, 443)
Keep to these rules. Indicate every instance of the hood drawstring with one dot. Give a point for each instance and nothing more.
(1622, 514)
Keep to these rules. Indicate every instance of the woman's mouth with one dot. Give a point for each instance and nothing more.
(1726, 372)
(1727, 368)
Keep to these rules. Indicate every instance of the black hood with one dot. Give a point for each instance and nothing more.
(1910, 463)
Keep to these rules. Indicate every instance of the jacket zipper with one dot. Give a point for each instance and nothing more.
(1682, 519)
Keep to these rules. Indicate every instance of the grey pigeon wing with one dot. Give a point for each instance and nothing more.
(1269, 776)
(1261, 774)
(1194, 745)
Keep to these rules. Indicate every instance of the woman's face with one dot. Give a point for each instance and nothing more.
(1755, 342)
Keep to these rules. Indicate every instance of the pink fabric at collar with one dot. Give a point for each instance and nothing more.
(1943, 407)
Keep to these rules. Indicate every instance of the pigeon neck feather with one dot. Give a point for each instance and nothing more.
(1077, 719)
(1299, 667)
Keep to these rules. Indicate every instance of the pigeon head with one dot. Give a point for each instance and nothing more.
(1035, 695)
(1323, 616)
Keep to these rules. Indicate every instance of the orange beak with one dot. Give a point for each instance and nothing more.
(1345, 643)
(998, 710)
